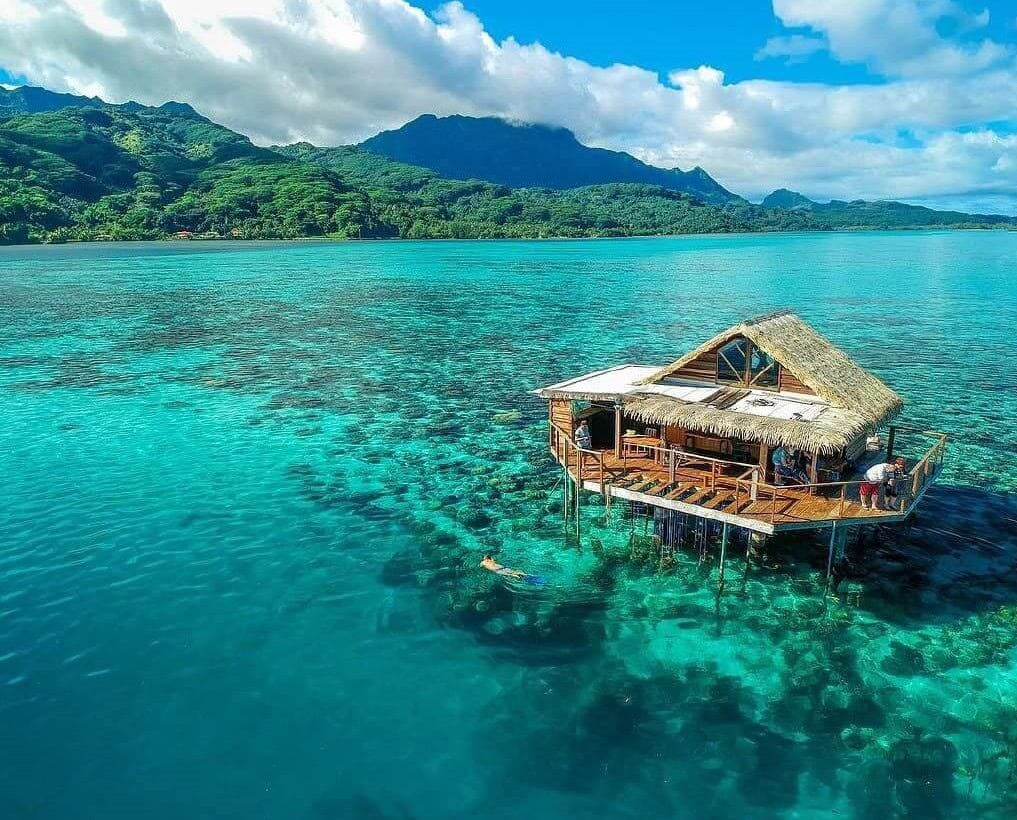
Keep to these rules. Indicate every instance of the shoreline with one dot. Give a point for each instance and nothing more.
(219, 241)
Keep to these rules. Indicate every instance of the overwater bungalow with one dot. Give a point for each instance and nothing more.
(699, 436)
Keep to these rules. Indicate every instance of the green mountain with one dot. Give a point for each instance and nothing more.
(83, 173)
(837, 214)
(783, 198)
(116, 172)
(28, 99)
(423, 204)
(528, 156)
(97, 171)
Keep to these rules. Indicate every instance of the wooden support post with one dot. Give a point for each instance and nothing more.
(617, 431)
(829, 558)
(814, 471)
(748, 559)
(579, 487)
(891, 438)
(565, 498)
(723, 551)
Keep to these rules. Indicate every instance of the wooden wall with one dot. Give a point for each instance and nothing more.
(675, 436)
(856, 448)
(789, 383)
(561, 413)
(701, 369)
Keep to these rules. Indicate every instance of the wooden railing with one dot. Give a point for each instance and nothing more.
(749, 485)
(909, 487)
(569, 453)
(674, 458)
(793, 493)
(926, 470)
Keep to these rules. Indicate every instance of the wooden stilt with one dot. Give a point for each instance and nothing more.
(723, 551)
(829, 558)
(748, 559)
(579, 487)
(617, 430)
(565, 498)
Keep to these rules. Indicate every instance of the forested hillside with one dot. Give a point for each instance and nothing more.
(94, 171)
(98, 173)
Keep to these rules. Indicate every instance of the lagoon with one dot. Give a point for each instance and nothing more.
(246, 488)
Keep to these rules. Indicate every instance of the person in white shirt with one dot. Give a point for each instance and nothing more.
(876, 477)
(583, 438)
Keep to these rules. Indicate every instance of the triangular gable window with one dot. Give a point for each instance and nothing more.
(741, 362)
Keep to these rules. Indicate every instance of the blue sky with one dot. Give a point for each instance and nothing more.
(904, 99)
(665, 35)
(658, 35)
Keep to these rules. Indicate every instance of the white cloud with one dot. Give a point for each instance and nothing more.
(334, 71)
(896, 37)
(794, 47)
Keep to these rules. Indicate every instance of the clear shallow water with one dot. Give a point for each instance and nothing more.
(245, 489)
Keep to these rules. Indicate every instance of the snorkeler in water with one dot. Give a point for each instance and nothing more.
(491, 565)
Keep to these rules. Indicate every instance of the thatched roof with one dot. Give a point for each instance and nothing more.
(833, 430)
(858, 400)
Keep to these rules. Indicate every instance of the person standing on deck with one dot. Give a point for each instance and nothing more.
(877, 477)
(784, 468)
(584, 440)
(892, 487)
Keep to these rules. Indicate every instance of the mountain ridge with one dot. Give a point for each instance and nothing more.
(528, 155)
(785, 198)
(32, 99)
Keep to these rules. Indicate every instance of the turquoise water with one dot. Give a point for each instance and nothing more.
(246, 487)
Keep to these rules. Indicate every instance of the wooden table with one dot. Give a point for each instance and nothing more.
(640, 445)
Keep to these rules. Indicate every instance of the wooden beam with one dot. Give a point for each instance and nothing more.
(680, 506)
(617, 430)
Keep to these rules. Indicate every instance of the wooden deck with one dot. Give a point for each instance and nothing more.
(718, 493)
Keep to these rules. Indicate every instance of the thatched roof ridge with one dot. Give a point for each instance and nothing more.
(813, 360)
(573, 396)
(833, 430)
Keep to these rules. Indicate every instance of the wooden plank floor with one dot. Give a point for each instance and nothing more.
(692, 486)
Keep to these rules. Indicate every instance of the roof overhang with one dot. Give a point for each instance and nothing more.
(775, 419)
